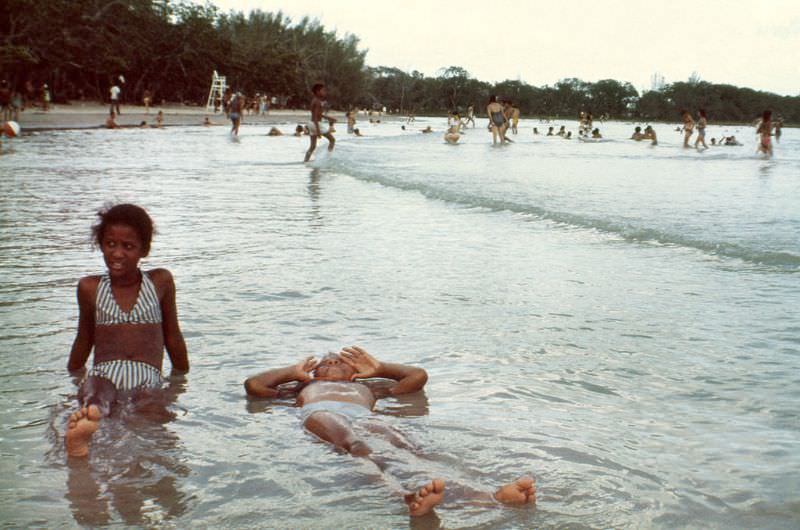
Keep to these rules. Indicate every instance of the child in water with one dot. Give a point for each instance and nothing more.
(127, 316)
(702, 122)
(688, 127)
(764, 132)
(318, 106)
(650, 134)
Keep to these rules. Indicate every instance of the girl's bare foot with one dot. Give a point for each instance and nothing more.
(521, 491)
(425, 498)
(80, 428)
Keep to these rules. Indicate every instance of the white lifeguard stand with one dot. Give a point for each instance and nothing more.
(217, 92)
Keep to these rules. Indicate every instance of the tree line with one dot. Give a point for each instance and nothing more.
(78, 47)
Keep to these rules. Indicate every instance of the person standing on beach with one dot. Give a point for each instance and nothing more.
(45, 97)
(688, 127)
(114, 92)
(235, 112)
(29, 95)
(147, 97)
(702, 122)
(317, 115)
(17, 104)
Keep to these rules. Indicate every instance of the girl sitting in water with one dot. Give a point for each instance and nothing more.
(127, 316)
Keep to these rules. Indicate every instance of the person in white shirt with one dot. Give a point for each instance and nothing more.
(115, 92)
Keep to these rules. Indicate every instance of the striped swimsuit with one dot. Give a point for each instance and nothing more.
(123, 373)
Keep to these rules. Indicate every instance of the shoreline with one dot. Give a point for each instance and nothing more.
(92, 115)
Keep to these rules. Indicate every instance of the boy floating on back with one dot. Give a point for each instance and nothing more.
(337, 395)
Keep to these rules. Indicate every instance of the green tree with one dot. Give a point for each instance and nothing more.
(171, 47)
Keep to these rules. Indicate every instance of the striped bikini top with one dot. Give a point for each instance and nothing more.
(146, 310)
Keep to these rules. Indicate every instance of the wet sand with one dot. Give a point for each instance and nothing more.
(87, 114)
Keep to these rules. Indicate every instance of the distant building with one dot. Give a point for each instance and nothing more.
(657, 81)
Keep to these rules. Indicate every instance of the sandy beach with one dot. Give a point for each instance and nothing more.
(89, 114)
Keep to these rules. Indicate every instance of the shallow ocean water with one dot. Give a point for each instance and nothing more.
(618, 319)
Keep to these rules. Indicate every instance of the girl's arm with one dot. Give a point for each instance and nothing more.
(84, 340)
(173, 338)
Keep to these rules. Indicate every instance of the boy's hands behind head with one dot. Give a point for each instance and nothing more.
(364, 364)
(304, 368)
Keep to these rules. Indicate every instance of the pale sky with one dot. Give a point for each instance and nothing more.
(748, 43)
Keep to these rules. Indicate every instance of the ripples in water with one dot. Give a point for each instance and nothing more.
(618, 320)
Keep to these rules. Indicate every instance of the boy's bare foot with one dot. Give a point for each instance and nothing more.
(521, 491)
(425, 498)
(80, 428)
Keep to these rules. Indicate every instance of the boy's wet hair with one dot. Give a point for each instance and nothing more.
(316, 87)
(125, 214)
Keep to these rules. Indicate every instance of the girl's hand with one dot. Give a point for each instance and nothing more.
(303, 369)
(364, 364)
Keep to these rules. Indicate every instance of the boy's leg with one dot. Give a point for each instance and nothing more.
(331, 140)
(336, 429)
(311, 147)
